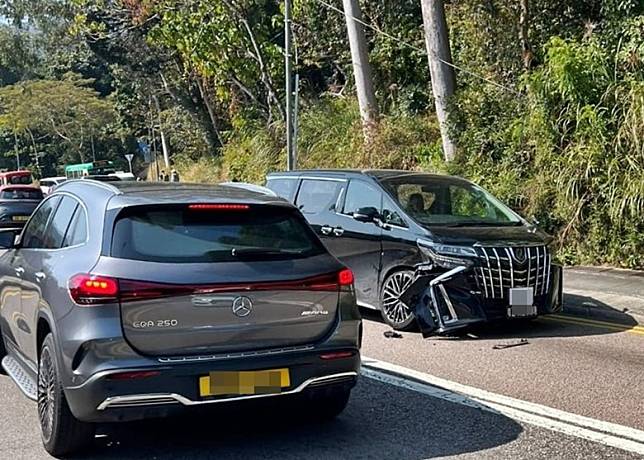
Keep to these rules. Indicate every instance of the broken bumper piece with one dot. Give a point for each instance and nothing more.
(446, 301)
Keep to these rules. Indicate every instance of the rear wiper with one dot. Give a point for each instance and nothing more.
(242, 252)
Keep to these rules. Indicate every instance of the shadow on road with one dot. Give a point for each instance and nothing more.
(382, 421)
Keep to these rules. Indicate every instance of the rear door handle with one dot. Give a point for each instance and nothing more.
(338, 231)
(19, 271)
(40, 276)
(326, 230)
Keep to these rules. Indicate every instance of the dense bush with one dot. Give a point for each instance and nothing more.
(568, 148)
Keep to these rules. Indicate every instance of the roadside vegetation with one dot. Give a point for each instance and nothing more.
(548, 113)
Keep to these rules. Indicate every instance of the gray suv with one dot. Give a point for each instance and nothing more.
(129, 300)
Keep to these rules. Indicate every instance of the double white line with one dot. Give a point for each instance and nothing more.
(609, 434)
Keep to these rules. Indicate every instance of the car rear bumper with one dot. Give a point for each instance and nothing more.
(176, 387)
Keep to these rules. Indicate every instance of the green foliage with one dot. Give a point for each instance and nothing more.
(68, 110)
(558, 134)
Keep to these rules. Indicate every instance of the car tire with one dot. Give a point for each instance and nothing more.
(328, 405)
(395, 312)
(62, 433)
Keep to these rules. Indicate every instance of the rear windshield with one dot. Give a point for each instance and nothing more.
(23, 179)
(183, 235)
(20, 194)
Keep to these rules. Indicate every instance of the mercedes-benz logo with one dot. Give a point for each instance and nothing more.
(242, 306)
(519, 254)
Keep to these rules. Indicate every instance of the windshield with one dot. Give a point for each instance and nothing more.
(20, 194)
(446, 201)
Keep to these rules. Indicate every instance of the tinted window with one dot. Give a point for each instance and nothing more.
(21, 194)
(284, 188)
(317, 195)
(77, 231)
(34, 236)
(361, 195)
(26, 180)
(182, 235)
(46, 183)
(59, 223)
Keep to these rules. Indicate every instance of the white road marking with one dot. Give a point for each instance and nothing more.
(609, 434)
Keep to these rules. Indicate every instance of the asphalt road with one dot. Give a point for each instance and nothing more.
(568, 364)
(383, 421)
(585, 370)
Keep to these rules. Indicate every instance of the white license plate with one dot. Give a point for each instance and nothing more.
(521, 296)
(522, 303)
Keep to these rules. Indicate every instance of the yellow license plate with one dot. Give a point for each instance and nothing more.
(244, 382)
(21, 218)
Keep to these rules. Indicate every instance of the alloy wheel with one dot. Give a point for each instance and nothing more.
(46, 392)
(396, 311)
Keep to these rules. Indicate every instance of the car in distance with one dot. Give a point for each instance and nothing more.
(17, 202)
(469, 257)
(22, 177)
(48, 184)
(130, 300)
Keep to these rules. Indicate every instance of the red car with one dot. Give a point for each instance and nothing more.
(22, 177)
(17, 202)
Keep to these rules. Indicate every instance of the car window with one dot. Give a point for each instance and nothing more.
(45, 183)
(284, 188)
(185, 235)
(21, 180)
(59, 223)
(21, 194)
(77, 231)
(34, 235)
(317, 195)
(361, 195)
(390, 215)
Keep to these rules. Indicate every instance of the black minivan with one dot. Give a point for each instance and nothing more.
(415, 239)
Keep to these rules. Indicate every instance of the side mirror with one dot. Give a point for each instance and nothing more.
(368, 214)
(534, 221)
(9, 237)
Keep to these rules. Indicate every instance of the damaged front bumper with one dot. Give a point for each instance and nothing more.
(446, 301)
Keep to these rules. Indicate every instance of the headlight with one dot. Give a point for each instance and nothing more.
(445, 255)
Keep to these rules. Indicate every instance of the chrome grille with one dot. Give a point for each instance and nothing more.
(501, 268)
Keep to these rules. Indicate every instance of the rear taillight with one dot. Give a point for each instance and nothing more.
(95, 289)
(87, 289)
(345, 277)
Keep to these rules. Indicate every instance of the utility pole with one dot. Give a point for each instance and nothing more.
(361, 67)
(440, 68)
(288, 37)
(15, 146)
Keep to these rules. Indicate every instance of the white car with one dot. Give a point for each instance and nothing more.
(48, 184)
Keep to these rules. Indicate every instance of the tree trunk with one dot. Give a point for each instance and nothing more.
(211, 113)
(526, 48)
(361, 67)
(441, 71)
(164, 142)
